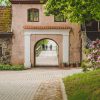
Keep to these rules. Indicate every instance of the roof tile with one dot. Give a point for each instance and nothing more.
(45, 27)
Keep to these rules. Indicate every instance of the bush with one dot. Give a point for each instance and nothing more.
(85, 65)
(11, 67)
(93, 56)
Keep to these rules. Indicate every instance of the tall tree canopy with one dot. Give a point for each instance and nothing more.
(5, 2)
(77, 11)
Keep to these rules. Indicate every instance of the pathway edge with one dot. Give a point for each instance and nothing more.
(63, 90)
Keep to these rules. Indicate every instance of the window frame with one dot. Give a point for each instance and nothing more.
(32, 10)
(64, 20)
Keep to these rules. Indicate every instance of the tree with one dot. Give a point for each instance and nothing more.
(77, 11)
(5, 2)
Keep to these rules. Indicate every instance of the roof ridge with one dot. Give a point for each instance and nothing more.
(27, 1)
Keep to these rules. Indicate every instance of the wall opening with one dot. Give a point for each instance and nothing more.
(46, 53)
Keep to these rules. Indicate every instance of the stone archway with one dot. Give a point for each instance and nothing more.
(46, 53)
(57, 38)
(61, 36)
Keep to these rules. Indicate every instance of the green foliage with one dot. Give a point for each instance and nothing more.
(11, 67)
(86, 51)
(93, 54)
(77, 11)
(92, 60)
(85, 65)
(5, 2)
(45, 41)
(85, 86)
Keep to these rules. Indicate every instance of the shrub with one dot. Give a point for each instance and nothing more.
(85, 65)
(11, 67)
(93, 55)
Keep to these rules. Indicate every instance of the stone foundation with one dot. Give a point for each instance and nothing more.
(5, 45)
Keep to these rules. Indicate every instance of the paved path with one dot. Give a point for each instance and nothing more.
(47, 58)
(32, 84)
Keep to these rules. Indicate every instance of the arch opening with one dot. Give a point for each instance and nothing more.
(46, 53)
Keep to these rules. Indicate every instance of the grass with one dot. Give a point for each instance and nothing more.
(11, 67)
(85, 86)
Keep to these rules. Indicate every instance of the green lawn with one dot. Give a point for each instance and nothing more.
(85, 86)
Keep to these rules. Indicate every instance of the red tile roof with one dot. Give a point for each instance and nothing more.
(45, 27)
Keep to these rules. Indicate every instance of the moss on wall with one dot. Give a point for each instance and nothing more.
(5, 19)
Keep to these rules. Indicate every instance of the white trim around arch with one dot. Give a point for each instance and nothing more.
(29, 32)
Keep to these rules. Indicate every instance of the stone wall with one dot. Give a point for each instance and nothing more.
(6, 45)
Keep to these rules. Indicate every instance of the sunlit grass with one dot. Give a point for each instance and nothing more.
(85, 86)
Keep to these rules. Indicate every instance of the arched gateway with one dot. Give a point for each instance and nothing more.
(32, 36)
(46, 53)
(33, 26)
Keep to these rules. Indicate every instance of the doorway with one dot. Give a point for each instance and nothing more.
(46, 53)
